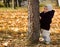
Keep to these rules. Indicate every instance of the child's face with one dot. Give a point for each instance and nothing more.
(45, 9)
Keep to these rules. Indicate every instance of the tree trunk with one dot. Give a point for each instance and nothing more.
(33, 21)
(17, 4)
(13, 4)
(4, 1)
(57, 4)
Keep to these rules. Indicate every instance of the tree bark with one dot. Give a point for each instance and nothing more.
(13, 4)
(33, 21)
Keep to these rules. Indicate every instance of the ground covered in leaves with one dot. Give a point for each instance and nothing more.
(17, 39)
(13, 28)
(17, 20)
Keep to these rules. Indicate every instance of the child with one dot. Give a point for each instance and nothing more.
(45, 20)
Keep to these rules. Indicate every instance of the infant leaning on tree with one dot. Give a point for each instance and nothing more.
(45, 21)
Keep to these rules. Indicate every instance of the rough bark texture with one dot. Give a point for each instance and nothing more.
(33, 20)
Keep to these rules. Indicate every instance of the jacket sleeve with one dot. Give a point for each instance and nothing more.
(52, 13)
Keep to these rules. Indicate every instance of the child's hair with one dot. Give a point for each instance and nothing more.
(49, 6)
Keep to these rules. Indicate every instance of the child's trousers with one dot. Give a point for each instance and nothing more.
(46, 35)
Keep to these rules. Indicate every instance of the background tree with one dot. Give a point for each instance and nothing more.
(6, 3)
(12, 4)
(57, 3)
(19, 2)
(16, 3)
(33, 20)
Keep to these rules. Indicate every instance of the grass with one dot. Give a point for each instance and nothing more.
(4, 8)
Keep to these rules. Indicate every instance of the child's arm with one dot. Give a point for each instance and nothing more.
(41, 15)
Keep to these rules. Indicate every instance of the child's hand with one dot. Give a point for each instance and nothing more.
(39, 17)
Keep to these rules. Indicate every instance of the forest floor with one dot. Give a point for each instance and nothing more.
(12, 39)
(18, 39)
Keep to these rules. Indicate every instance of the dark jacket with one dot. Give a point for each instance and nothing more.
(46, 19)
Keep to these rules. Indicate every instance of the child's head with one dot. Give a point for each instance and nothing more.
(48, 8)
